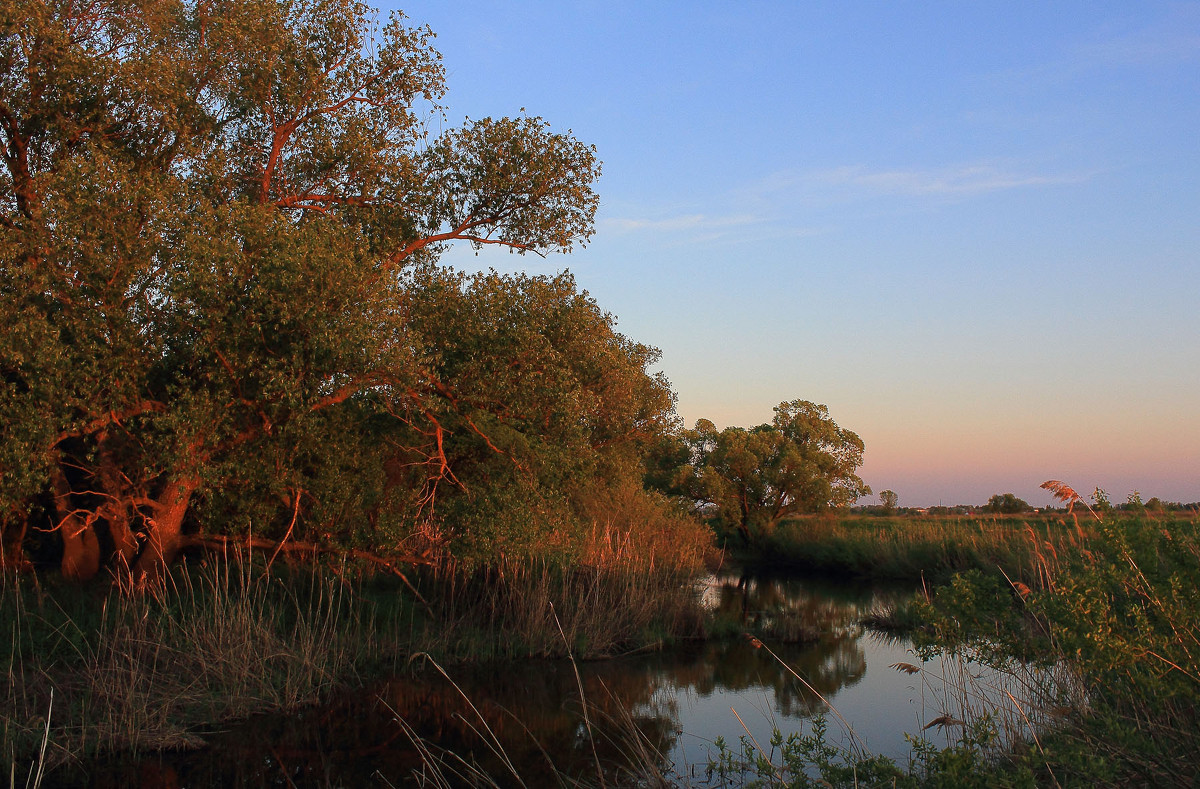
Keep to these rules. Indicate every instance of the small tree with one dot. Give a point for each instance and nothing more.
(1007, 504)
(754, 478)
(888, 500)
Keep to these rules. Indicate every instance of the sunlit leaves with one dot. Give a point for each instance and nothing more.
(209, 209)
(800, 462)
(510, 181)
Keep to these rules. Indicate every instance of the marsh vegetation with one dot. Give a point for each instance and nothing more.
(1083, 674)
(259, 446)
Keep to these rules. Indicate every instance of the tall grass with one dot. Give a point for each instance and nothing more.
(228, 637)
(623, 600)
(138, 671)
(932, 549)
(627, 584)
(1122, 612)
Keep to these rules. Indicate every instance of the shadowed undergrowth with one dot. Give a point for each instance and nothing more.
(223, 639)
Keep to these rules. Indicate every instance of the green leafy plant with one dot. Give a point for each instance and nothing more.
(753, 479)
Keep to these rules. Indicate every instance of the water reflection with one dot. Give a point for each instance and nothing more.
(679, 701)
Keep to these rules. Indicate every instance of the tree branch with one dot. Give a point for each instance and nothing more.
(111, 418)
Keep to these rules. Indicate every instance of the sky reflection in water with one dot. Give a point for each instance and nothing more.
(680, 700)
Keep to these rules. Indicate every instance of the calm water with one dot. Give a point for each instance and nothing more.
(680, 700)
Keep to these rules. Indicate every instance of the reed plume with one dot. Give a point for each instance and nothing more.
(1066, 494)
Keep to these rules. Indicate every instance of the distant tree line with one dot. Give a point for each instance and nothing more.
(1009, 503)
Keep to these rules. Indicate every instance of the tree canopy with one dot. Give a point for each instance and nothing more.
(751, 479)
(1007, 503)
(218, 283)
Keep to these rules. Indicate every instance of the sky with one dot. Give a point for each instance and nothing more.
(972, 230)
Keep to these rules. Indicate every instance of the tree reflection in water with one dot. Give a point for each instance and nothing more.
(534, 707)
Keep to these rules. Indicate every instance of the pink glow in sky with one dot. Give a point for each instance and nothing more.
(970, 229)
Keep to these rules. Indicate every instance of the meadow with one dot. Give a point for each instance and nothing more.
(922, 548)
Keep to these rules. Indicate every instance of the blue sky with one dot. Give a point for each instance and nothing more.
(970, 229)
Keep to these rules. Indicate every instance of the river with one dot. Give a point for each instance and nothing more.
(871, 688)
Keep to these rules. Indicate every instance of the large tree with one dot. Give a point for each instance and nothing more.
(751, 479)
(539, 401)
(209, 216)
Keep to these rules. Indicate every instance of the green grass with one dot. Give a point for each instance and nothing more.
(920, 548)
(1122, 613)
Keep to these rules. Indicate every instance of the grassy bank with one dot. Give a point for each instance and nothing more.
(916, 548)
(1123, 612)
(1105, 627)
(224, 639)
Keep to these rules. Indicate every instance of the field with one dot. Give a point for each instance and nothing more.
(928, 548)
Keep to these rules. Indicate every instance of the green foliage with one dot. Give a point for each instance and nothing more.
(754, 478)
(1121, 613)
(1133, 503)
(1007, 504)
(888, 500)
(804, 760)
(537, 401)
(222, 306)
(799, 761)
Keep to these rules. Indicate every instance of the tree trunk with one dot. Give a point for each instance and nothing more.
(116, 511)
(81, 549)
(165, 532)
(744, 523)
(124, 543)
(81, 546)
(12, 535)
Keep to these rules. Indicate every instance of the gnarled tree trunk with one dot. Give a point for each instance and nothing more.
(81, 545)
(164, 531)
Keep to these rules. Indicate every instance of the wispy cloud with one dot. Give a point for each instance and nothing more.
(964, 180)
(850, 183)
(686, 229)
(679, 223)
(768, 207)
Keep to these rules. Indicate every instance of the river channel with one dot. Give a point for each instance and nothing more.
(679, 700)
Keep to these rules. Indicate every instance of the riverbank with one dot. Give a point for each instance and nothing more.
(1114, 604)
(653, 713)
(224, 639)
(1123, 613)
(930, 549)
(1115, 614)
